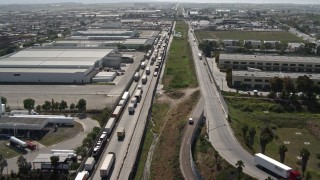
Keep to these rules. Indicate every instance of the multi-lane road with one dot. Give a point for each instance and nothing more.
(220, 134)
(126, 150)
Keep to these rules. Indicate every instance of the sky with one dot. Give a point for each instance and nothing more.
(207, 1)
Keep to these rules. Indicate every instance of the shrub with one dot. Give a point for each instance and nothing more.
(276, 108)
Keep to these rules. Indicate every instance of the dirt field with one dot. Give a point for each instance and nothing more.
(165, 162)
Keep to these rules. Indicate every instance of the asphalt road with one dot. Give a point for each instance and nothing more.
(220, 134)
(126, 150)
(185, 149)
(87, 124)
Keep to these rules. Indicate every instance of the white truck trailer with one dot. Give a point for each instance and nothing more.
(82, 175)
(89, 164)
(125, 96)
(109, 126)
(274, 166)
(138, 94)
(107, 165)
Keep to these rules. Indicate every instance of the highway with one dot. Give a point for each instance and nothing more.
(220, 134)
(185, 149)
(126, 150)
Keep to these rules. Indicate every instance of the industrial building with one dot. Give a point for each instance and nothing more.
(269, 63)
(100, 34)
(261, 79)
(57, 65)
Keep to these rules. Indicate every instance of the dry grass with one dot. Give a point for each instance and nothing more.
(165, 162)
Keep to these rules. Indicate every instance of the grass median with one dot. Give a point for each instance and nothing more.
(179, 69)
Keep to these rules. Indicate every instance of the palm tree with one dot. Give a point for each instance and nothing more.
(304, 154)
(266, 137)
(282, 152)
(252, 133)
(244, 130)
(239, 166)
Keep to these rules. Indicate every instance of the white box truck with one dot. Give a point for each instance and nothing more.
(82, 175)
(144, 79)
(148, 70)
(89, 164)
(276, 167)
(107, 164)
(134, 101)
(143, 65)
(138, 94)
(131, 108)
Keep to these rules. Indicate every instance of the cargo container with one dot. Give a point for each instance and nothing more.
(276, 167)
(136, 76)
(125, 96)
(107, 164)
(110, 125)
(148, 70)
(89, 164)
(116, 113)
(138, 95)
(131, 108)
(144, 79)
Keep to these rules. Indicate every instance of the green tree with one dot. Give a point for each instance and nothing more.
(247, 45)
(63, 105)
(229, 77)
(87, 142)
(282, 152)
(268, 46)
(38, 108)
(55, 162)
(46, 106)
(244, 129)
(56, 105)
(266, 137)
(82, 105)
(288, 85)
(276, 84)
(72, 106)
(3, 164)
(82, 151)
(23, 165)
(28, 104)
(305, 85)
(252, 133)
(3, 100)
(96, 129)
(239, 165)
(304, 154)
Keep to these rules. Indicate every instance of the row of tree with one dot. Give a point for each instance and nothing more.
(29, 104)
(87, 142)
(288, 89)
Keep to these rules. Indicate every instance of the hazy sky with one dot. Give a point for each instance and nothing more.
(208, 1)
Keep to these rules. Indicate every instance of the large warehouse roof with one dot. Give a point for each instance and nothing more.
(271, 74)
(41, 70)
(256, 58)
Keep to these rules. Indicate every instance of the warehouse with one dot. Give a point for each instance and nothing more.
(53, 65)
(270, 63)
(260, 79)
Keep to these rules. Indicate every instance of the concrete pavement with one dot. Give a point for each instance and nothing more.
(87, 124)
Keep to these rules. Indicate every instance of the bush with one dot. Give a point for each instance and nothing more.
(276, 108)
(246, 108)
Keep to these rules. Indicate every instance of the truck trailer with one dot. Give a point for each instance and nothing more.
(107, 164)
(276, 167)
(117, 111)
(89, 164)
(109, 126)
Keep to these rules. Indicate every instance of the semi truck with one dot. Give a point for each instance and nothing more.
(134, 101)
(144, 79)
(276, 167)
(125, 96)
(117, 111)
(121, 132)
(107, 164)
(21, 144)
(138, 94)
(109, 126)
(89, 164)
(136, 76)
(131, 108)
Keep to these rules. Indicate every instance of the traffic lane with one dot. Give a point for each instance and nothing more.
(185, 150)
